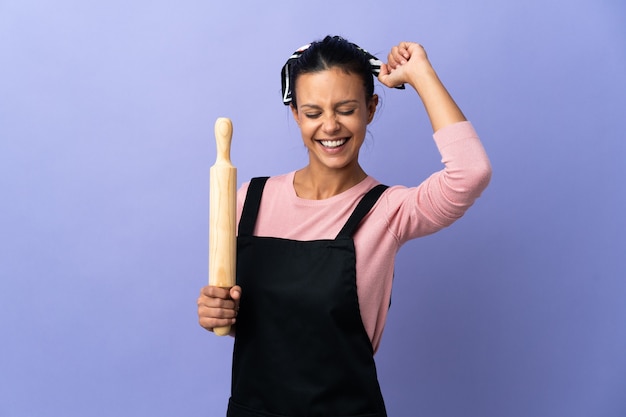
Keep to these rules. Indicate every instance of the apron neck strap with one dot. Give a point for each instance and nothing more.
(251, 206)
(253, 202)
(361, 210)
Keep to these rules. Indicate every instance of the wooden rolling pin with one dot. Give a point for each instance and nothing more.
(222, 214)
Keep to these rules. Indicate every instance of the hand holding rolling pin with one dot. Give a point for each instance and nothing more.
(217, 307)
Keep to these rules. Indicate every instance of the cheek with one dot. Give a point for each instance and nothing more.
(309, 125)
(307, 129)
(360, 125)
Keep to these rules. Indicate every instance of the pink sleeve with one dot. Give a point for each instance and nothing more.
(446, 195)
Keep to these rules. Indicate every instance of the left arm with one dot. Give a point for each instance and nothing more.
(446, 195)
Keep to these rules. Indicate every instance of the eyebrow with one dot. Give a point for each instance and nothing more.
(341, 103)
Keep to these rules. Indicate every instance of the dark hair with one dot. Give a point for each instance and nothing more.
(332, 52)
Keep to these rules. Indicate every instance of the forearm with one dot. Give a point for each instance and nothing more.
(439, 104)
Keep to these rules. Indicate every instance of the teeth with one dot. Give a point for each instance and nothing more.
(333, 143)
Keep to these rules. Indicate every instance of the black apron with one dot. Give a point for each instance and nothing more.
(301, 349)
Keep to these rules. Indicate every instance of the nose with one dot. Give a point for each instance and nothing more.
(330, 124)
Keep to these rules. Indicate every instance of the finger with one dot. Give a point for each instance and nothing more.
(391, 63)
(235, 292)
(415, 50)
(215, 292)
(399, 55)
(208, 302)
(392, 58)
(211, 323)
(404, 50)
(216, 313)
(210, 317)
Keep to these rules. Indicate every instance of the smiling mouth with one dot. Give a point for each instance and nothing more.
(333, 143)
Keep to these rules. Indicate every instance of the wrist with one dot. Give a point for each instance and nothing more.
(424, 78)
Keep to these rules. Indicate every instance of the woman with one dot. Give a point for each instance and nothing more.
(316, 246)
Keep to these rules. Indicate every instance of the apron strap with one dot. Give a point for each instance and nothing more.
(361, 210)
(253, 202)
(251, 206)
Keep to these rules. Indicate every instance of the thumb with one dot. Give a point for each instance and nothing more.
(235, 294)
(384, 72)
(386, 78)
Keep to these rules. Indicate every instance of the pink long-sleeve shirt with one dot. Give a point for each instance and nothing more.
(401, 214)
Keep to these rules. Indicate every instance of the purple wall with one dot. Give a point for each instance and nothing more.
(106, 138)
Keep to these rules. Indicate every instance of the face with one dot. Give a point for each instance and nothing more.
(333, 115)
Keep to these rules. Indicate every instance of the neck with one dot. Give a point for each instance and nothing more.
(312, 184)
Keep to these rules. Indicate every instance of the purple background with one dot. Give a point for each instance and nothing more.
(106, 139)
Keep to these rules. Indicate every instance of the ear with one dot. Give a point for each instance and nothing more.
(371, 108)
(294, 111)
